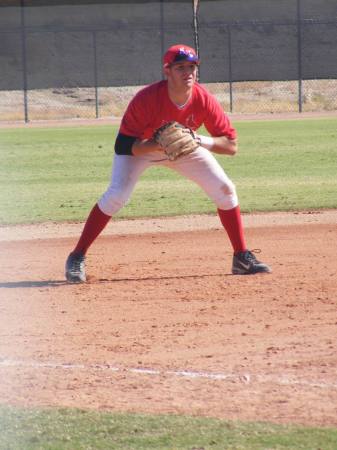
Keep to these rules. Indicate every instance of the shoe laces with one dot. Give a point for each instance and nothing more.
(77, 261)
(250, 256)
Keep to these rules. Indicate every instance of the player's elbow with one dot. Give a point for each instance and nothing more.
(225, 146)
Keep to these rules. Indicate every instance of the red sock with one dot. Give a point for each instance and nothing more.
(94, 225)
(231, 221)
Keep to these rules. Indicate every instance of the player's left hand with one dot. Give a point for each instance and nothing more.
(176, 140)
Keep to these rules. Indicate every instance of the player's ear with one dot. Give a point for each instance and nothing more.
(166, 70)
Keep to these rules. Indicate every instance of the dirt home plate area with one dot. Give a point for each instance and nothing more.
(162, 326)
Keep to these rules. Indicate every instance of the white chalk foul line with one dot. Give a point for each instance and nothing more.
(230, 377)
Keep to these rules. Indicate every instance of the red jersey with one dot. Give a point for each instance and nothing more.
(151, 108)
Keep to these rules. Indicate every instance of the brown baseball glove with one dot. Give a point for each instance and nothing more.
(176, 140)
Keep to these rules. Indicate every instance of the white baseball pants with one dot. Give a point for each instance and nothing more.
(199, 166)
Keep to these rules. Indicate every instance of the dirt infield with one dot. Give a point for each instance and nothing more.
(162, 325)
(116, 120)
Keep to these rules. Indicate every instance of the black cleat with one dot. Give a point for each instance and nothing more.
(75, 268)
(245, 263)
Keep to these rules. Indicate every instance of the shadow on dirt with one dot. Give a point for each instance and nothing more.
(31, 284)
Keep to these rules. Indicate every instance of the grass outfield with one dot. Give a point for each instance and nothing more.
(59, 173)
(70, 429)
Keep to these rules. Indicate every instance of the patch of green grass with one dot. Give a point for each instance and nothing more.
(286, 165)
(59, 173)
(52, 174)
(71, 429)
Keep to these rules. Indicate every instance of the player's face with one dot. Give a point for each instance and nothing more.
(182, 75)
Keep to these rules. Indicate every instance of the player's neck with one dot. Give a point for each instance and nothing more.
(179, 97)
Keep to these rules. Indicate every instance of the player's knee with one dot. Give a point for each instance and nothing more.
(229, 202)
(228, 188)
(111, 202)
(227, 198)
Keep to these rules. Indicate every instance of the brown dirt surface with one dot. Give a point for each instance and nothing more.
(162, 326)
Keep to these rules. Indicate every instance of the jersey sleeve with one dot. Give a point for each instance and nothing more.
(136, 117)
(217, 122)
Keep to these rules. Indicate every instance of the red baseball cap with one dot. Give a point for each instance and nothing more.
(178, 53)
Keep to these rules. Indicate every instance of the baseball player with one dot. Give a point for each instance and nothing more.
(160, 127)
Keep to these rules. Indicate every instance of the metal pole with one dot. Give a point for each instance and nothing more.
(230, 75)
(94, 41)
(195, 5)
(162, 32)
(299, 55)
(24, 59)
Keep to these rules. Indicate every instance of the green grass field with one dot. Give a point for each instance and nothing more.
(68, 429)
(59, 173)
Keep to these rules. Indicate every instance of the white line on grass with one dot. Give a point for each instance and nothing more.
(245, 378)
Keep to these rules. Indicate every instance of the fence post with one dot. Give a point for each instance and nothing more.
(230, 75)
(162, 32)
(195, 4)
(94, 42)
(299, 55)
(24, 59)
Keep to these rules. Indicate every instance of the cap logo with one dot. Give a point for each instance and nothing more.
(183, 51)
(185, 55)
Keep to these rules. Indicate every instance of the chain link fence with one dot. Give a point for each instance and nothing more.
(78, 60)
(255, 97)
